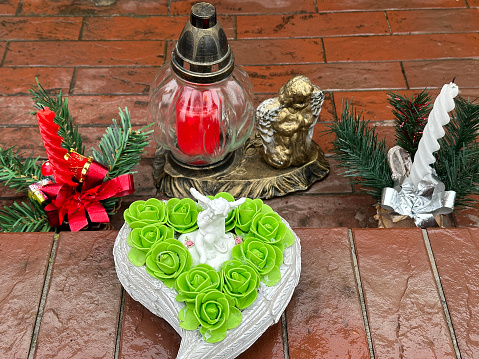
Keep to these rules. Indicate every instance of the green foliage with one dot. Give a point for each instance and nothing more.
(357, 149)
(457, 161)
(14, 173)
(68, 127)
(120, 148)
(411, 117)
(24, 217)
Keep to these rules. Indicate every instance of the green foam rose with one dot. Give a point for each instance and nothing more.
(142, 213)
(246, 212)
(270, 229)
(213, 312)
(240, 282)
(143, 238)
(230, 220)
(263, 257)
(201, 278)
(182, 214)
(167, 259)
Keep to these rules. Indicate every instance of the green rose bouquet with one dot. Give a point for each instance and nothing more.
(142, 213)
(270, 229)
(246, 212)
(143, 238)
(182, 214)
(201, 278)
(239, 281)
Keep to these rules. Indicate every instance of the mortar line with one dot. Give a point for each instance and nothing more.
(404, 75)
(284, 329)
(361, 294)
(119, 330)
(442, 296)
(43, 298)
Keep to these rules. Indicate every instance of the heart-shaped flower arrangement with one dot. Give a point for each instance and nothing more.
(218, 312)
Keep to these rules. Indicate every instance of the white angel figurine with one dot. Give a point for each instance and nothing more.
(210, 244)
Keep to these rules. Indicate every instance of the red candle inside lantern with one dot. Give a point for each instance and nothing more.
(198, 116)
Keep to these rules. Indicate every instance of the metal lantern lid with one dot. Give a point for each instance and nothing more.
(202, 54)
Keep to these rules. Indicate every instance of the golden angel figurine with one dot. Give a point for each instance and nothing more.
(285, 123)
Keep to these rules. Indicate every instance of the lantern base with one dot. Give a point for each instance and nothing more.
(243, 174)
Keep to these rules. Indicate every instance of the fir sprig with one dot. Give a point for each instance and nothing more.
(411, 117)
(120, 148)
(24, 217)
(68, 127)
(358, 149)
(16, 172)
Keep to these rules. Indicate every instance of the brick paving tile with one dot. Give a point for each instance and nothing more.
(23, 265)
(3, 46)
(335, 182)
(431, 21)
(143, 179)
(16, 110)
(40, 28)
(9, 7)
(324, 316)
(182, 7)
(392, 48)
(83, 303)
(114, 80)
(467, 217)
(21, 79)
(85, 53)
(404, 310)
(473, 3)
(97, 7)
(456, 252)
(325, 5)
(311, 25)
(326, 211)
(145, 28)
(422, 74)
(330, 77)
(147, 336)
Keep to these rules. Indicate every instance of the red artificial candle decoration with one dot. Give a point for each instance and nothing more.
(198, 116)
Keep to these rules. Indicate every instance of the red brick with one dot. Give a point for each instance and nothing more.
(268, 345)
(311, 25)
(473, 3)
(83, 303)
(3, 46)
(40, 28)
(18, 80)
(456, 252)
(468, 217)
(183, 7)
(431, 21)
(325, 5)
(326, 211)
(144, 335)
(115, 80)
(144, 28)
(402, 47)
(23, 265)
(85, 53)
(421, 74)
(73, 7)
(9, 7)
(330, 77)
(404, 309)
(335, 182)
(324, 316)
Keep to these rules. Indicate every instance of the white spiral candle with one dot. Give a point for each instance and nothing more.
(433, 131)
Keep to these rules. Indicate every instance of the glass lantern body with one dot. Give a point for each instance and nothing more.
(200, 124)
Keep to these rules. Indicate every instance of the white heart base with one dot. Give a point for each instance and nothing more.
(160, 300)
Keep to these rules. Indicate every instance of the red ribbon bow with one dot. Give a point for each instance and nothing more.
(66, 200)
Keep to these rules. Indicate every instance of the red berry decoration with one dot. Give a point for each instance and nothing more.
(46, 169)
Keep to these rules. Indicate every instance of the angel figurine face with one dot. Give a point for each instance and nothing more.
(285, 123)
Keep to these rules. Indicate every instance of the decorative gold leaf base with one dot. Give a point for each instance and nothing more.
(243, 174)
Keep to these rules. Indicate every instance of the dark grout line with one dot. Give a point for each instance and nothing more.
(387, 21)
(120, 325)
(235, 27)
(404, 75)
(316, 5)
(442, 296)
(361, 294)
(43, 299)
(19, 8)
(324, 51)
(467, 4)
(2, 61)
(82, 27)
(73, 81)
(284, 329)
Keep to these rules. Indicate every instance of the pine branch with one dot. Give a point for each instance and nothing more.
(68, 127)
(120, 148)
(14, 173)
(457, 161)
(411, 116)
(24, 217)
(357, 148)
